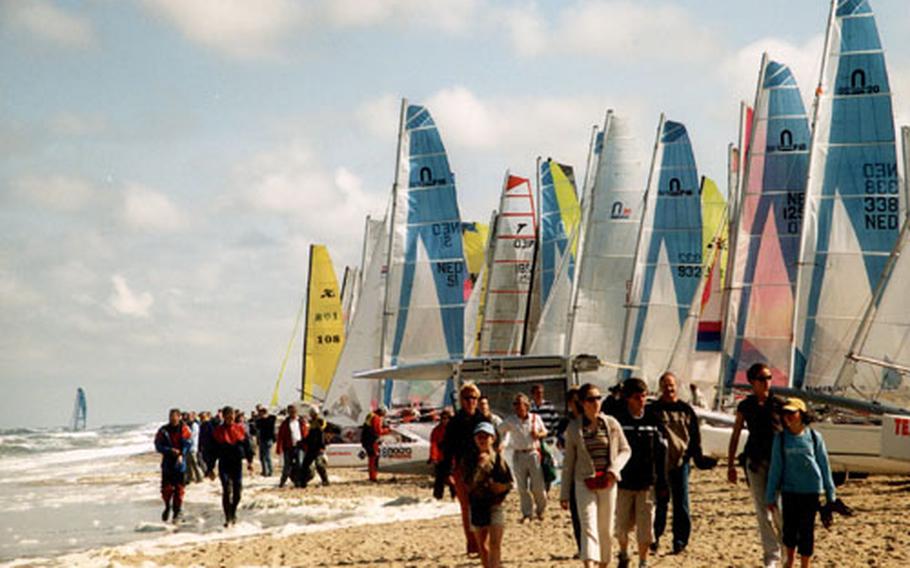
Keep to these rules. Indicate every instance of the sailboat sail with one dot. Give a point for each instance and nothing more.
(764, 265)
(80, 411)
(879, 359)
(425, 299)
(348, 400)
(854, 207)
(509, 281)
(559, 220)
(613, 215)
(714, 253)
(323, 338)
(668, 261)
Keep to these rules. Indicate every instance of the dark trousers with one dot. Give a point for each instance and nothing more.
(292, 461)
(799, 521)
(172, 489)
(314, 462)
(576, 520)
(265, 457)
(231, 489)
(678, 480)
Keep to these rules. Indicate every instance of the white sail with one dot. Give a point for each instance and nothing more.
(513, 246)
(612, 215)
(854, 207)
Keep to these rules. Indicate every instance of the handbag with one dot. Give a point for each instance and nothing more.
(600, 481)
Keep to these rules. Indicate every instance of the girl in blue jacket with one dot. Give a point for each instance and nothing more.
(800, 472)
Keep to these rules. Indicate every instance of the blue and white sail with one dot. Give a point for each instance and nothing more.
(668, 257)
(762, 286)
(424, 300)
(559, 218)
(611, 217)
(854, 204)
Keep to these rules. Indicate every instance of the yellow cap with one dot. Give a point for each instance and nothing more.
(794, 404)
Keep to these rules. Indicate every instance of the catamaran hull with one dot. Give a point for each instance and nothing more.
(397, 457)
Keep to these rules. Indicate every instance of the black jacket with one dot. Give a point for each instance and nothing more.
(648, 465)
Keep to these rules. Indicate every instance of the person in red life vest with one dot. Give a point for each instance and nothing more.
(232, 446)
(291, 439)
(173, 442)
(436, 455)
(373, 429)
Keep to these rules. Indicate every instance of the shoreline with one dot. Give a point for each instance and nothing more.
(723, 531)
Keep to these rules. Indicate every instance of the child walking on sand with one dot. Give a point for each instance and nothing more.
(488, 481)
(800, 471)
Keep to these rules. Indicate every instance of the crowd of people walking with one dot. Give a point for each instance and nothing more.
(626, 462)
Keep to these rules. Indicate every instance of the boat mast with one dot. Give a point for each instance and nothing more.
(587, 206)
(801, 262)
(306, 325)
(385, 303)
(626, 366)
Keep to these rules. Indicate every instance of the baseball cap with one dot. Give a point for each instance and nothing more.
(486, 428)
(794, 405)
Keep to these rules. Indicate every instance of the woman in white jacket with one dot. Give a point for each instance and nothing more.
(596, 451)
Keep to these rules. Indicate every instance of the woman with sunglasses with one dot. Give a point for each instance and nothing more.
(457, 447)
(595, 453)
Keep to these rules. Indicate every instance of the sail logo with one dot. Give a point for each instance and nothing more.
(786, 143)
(620, 211)
(425, 179)
(881, 206)
(858, 85)
(675, 189)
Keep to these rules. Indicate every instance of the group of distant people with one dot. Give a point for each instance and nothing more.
(191, 446)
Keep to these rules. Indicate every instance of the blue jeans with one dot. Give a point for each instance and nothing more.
(265, 457)
(678, 479)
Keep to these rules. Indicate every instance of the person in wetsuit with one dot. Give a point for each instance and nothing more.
(173, 442)
(232, 446)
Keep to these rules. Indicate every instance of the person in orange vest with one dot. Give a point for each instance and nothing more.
(232, 447)
(436, 456)
(373, 429)
(173, 443)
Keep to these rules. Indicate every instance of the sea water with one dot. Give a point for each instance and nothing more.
(64, 493)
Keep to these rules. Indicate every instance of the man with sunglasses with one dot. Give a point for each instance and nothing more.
(760, 412)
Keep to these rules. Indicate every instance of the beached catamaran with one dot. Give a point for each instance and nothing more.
(668, 257)
(765, 236)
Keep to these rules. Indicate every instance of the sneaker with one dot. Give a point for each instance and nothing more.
(623, 561)
(540, 516)
(176, 516)
(525, 519)
(166, 513)
(654, 546)
(678, 547)
(642, 564)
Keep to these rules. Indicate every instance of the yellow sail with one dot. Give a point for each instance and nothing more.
(475, 237)
(324, 336)
(569, 208)
(713, 231)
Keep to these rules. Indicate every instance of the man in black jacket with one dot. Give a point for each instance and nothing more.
(315, 450)
(643, 474)
(265, 432)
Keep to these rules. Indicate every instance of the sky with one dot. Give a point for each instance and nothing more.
(167, 163)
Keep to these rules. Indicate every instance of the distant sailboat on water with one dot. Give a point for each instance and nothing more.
(80, 412)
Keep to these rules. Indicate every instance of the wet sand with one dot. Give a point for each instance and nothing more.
(723, 532)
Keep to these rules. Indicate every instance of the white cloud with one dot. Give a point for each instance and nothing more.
(73, 124)
(236, 27)
(466, 120)
(148, 210)
(126, 302)
(49, 23)
(619, 30)
(58, 192)
(740, 69)
(323, 202)
(451, 16)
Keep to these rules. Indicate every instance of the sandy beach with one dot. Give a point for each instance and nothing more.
(723, 532)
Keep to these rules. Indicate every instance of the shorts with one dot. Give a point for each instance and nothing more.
(497, 518)
(635, 509)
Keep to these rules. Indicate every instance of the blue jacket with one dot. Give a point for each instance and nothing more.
(170, 438)
(799, 464)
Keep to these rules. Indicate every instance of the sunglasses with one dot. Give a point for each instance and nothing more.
(472, 397)
(763, 378)
(594, 399)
